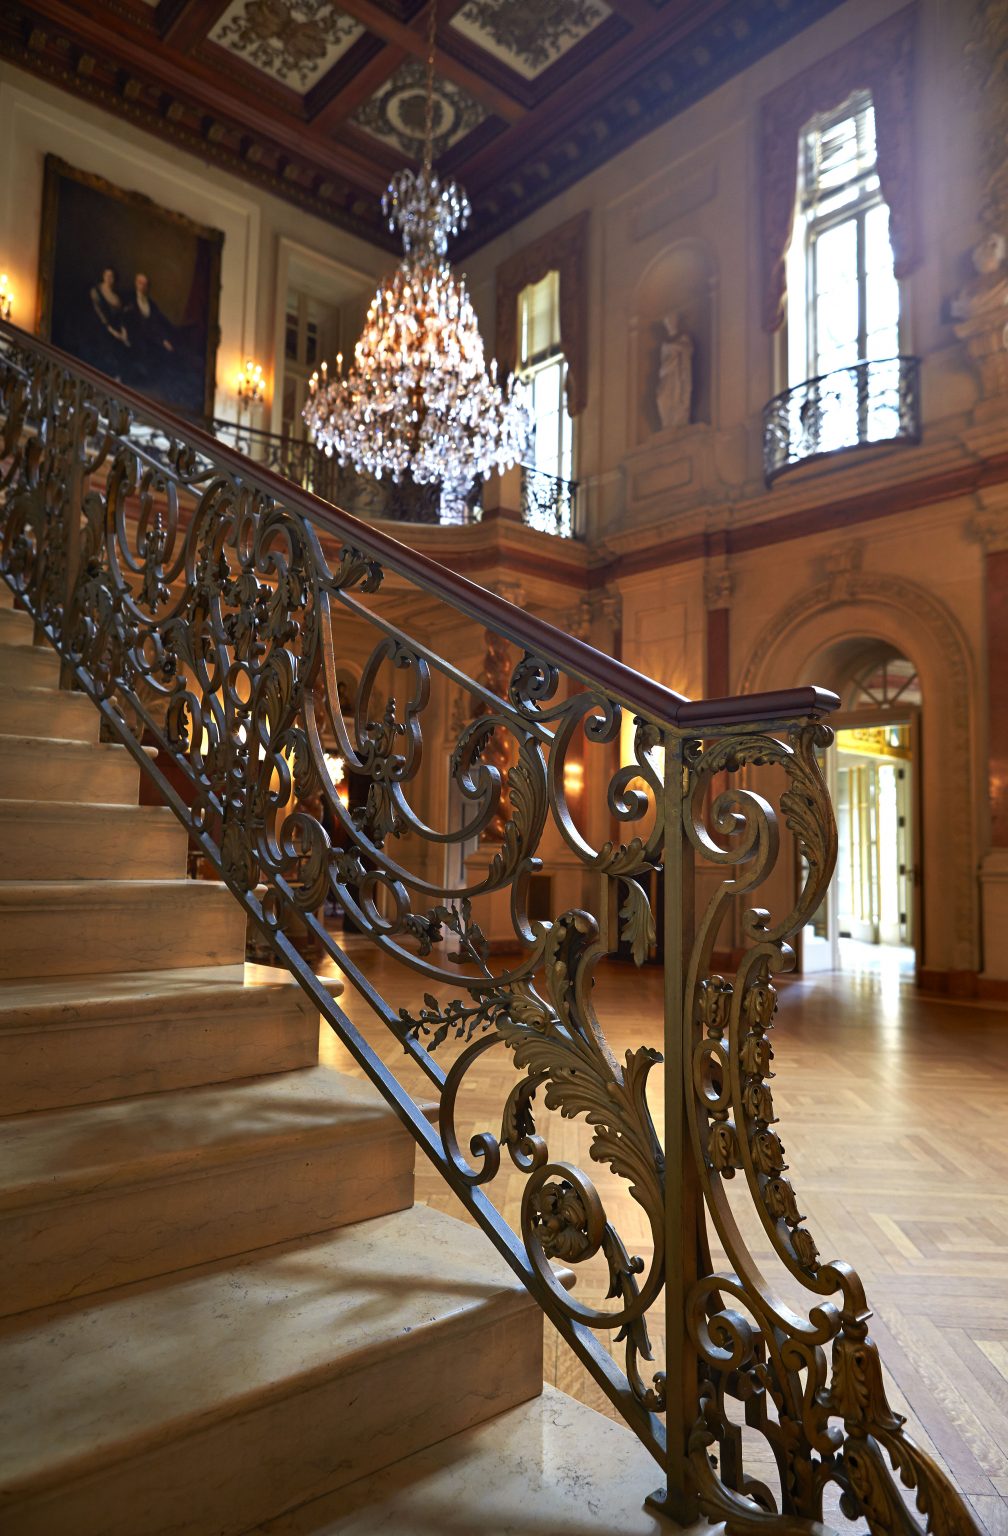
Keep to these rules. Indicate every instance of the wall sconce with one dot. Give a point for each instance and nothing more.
(337, 772)
(6, 297)
(251, 384)
(573, 778)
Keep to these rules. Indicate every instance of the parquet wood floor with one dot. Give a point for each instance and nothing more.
(894, 1112)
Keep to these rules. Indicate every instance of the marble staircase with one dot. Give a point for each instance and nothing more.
(220, 1310)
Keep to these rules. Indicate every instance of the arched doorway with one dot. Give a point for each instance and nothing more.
(829, 633)
(871, 918)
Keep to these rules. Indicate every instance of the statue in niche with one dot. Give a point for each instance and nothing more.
(674, 392)
(980, 311)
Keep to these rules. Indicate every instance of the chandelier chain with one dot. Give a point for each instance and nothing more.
(428, 154)
(418, 400)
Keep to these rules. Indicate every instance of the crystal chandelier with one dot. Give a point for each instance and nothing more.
(417, 399)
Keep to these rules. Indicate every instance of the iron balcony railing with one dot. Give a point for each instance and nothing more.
(301, 461)
(875, 401)
(213, 609)
(549, 503)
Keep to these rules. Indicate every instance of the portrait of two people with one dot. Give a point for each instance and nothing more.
(130, 288)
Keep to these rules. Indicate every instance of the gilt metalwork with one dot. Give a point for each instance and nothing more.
(209, 610)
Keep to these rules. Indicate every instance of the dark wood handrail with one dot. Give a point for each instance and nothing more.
(523, 629)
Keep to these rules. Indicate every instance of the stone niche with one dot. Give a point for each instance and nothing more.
(681, 281)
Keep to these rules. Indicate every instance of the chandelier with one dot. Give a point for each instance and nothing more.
(417, 399)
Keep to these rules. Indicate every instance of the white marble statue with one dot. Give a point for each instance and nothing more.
(980, 311)
(674, 394)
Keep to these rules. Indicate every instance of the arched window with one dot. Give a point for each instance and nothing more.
(889, 681)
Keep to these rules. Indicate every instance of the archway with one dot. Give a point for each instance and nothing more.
(825, 636)
(871, 918)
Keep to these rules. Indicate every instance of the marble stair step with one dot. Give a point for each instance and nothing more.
(16, 627)
(29, 666)
(47, 713)
(45, 768)
(550, 1467)
(105, 1194)
(65, 840)
(214, 1400)
(83, 1039)
(86, 927)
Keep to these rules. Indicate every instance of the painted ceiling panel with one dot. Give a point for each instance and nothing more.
(528, 35)
(295, 41)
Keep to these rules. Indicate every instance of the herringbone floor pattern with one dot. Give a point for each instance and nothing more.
(893, 1111)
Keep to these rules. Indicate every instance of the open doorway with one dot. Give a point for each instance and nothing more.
(870, 920)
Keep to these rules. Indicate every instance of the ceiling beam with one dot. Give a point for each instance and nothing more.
(192, 21)
(412, 39)
(364, 84)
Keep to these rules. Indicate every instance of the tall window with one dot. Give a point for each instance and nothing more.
(844, 303)
(542, 365)
(311, 333)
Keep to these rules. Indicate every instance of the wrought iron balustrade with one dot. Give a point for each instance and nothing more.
(206, 603)
(875, 401)
(548, 503)
(302, 462)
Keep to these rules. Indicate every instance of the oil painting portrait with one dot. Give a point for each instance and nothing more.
(131, 288)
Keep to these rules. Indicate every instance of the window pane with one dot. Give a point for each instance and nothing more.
(836, 308)
(540, 317)
(882, 289)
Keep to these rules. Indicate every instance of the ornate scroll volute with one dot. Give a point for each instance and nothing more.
(753, 1348)
(496, 749)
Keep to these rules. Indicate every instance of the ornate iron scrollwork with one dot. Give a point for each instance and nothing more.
(212, 618)
(874, 401)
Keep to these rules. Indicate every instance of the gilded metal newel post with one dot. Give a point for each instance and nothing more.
(216, 611)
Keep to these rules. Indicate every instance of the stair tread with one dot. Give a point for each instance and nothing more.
(550, 1467)
(48, 893)
(66, 1154)
(19, 634)
(90, 1384)
(8, 645)
(31, 690)
(75, 810)
(118, 994)
(65, 746)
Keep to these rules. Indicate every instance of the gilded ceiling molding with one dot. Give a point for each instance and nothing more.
(881, 60)
(563, 250)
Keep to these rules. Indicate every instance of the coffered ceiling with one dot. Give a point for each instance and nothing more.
(320, 100)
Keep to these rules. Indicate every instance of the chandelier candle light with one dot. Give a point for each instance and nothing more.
(417, 399)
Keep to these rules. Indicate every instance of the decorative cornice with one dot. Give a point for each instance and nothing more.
(569, 134)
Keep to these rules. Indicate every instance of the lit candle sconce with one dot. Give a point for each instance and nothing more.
(573, 779)
(6, 297)
(337, 772)
(251, 383)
